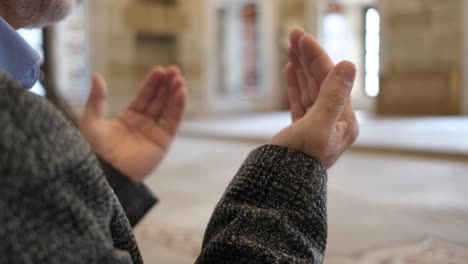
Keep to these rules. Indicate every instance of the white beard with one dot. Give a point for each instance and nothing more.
(39, 13)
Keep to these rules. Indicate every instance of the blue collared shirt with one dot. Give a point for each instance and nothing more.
(17, 58)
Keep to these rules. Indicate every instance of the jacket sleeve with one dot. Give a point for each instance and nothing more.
(55, 203)
(135, 198)
(274, 211)
(49, 219)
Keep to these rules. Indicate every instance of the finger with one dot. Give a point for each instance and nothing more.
(312, 87)
(294, 97)
(159, 102)
(94, 108)
(293, 57)
(335, 93)
(176, 107)
(294, 38)
(148, 90)
(352, 129)
(317, 63)
(348, 113)
(348, 120)
(354, 135)
(301, 79)
(293, 54)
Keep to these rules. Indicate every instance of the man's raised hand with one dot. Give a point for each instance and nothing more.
(324, 123)
(137, 140)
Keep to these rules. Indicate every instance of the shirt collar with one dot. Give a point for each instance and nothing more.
(17, 58)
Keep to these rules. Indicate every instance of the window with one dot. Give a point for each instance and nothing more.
(336, 33)
(372, 52)
(35, 38)
(238, 50)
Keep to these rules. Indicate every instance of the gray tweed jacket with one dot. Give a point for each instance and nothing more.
(56, 205)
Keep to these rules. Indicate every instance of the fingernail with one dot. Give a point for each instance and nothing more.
(346, 72)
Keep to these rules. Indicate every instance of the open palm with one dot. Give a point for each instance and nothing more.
(324, 123)
(137, 140)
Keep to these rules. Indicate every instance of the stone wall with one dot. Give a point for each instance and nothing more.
(128, 37)
(421, 35)
(421, 39)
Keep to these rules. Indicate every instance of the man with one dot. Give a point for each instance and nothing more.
(57, 207)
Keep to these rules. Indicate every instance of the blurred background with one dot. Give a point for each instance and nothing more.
(399, 196)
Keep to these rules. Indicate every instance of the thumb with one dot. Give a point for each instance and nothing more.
(97, 98)
(335, 93)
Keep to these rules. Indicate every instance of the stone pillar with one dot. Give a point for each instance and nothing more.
(192, 51)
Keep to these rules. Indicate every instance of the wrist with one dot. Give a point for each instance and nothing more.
(288, 138)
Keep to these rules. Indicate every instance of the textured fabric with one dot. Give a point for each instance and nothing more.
(57, 207)
(55, 203)
(135, 198)
(274, 211)
(17, 58)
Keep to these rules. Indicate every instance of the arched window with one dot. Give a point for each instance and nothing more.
(372, 52)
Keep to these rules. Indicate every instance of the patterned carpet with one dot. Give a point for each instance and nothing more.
(382, 209)
(425, 251)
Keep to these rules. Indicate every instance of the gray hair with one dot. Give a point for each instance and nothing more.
(38, 13)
